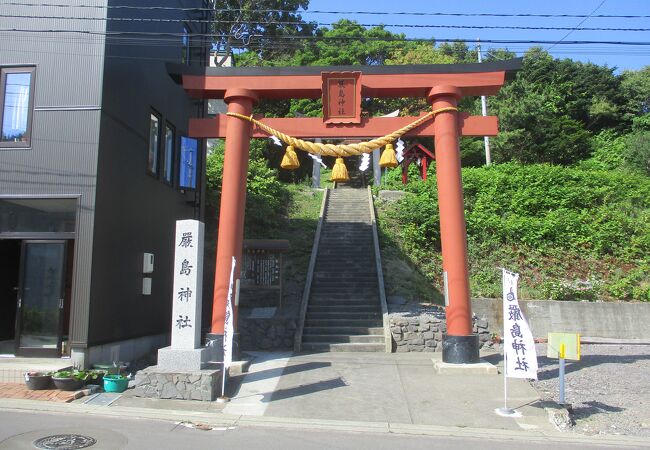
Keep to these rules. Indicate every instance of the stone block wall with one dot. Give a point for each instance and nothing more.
(422, 331)
(267, 334)
(153, 382)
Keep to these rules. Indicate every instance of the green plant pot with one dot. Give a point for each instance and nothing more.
(98, 380)
(68, 384)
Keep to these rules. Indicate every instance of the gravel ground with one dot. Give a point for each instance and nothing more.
(609, 388)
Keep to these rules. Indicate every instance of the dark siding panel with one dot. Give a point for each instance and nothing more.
(136, 212)
(63, 157)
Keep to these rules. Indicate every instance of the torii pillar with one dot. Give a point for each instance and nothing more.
(230, 237)
(459, 345)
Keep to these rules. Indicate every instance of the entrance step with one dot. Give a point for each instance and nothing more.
(327, 347)
(342, 338)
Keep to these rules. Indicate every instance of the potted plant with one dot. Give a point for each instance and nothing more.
(69, 380)
(96, 377)
(35, 380)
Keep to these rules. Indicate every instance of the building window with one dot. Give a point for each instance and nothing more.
(187, 168)
(154, 144)
(168, 155)
(16, 104)
(185, 49)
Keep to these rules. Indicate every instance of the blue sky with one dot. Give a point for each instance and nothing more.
(622, 57)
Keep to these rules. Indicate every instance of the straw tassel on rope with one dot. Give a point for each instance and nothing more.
(388, 158)
(290, 159)
(340, 172)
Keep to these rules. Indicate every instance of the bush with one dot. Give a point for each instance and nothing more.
(562, 226)
(637, 153)
(266, 196)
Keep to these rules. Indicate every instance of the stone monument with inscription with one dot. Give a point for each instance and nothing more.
(186, 352)
(181, 372)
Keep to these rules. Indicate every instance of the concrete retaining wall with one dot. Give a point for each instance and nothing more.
(615, 320)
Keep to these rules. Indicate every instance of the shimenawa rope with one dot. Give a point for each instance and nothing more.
(342, 150)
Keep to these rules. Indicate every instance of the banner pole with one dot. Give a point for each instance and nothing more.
(561, 374)
(505, 381)
(505, 355)
(223, 382)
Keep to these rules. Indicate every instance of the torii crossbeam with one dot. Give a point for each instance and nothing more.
(443, 85)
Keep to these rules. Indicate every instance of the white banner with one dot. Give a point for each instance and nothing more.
(228, 327)
(520, 357)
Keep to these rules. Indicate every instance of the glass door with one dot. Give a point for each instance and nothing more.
(40, 298)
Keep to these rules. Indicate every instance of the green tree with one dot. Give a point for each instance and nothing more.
(635, 87)
(259, 26)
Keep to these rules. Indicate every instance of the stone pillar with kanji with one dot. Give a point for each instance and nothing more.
(186, 352)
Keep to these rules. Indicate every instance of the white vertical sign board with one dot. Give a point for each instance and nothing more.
(188, 276)
(228, 326)
(518, 344)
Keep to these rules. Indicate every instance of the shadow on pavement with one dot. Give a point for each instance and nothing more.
(306, 389)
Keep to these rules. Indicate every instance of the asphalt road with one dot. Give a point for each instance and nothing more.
(20, 429)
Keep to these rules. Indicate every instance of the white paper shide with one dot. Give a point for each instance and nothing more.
(518, 344)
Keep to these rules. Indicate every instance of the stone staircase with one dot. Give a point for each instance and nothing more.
(344, 312)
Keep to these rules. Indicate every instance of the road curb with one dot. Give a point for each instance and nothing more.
(221, 419)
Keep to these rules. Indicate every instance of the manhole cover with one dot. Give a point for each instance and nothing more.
(64, 442)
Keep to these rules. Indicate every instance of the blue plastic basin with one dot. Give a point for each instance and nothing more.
(115, 383)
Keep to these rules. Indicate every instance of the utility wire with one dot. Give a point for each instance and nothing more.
(272, 22)
(578, 26)
(324, 38)
(377, 13)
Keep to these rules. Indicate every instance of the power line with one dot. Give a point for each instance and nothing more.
(325, 38)
(578, 26)
(376, 13)
(272, 22)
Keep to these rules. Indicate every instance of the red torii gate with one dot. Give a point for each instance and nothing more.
(441, 84)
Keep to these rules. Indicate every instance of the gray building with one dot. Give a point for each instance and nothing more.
(95, 168)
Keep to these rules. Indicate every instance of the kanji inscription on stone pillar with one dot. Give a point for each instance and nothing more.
(188, 276)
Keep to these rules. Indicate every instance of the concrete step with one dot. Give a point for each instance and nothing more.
(342, 303)
(363, 292)
(369, 323)
(349, 244)
(341, 238)
(349, 281)
(345, 274)
(327, 347)
(347, 293)
(336, 338)
(349, 308)
(328, 262)
(343, 296)
(343, 315)
(374, 331)
(343, 282)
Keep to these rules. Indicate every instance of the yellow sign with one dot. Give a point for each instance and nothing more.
(563, 345)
